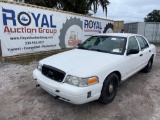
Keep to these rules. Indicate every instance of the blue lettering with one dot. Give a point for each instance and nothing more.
(6, 18)
(90, 24)
(36, 19)
(100, 26)
(44, 21)
(95, 25)
(51, 22)
(86, 24)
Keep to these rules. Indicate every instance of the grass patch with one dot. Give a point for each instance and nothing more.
(26, 59)
(155, 43)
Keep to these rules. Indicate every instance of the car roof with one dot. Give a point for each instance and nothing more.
(117, 34)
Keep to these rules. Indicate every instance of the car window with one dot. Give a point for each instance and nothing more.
(132, 44)
(91, 41)
(108, 44)
(142, 42)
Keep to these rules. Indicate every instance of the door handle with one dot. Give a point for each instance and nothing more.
(141, 55)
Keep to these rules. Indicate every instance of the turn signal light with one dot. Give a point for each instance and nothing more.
(93, 80)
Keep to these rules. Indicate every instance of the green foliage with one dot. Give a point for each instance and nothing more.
(156, 43)
(45, 3)
(154, 16)
(104, 4)
(77, 6)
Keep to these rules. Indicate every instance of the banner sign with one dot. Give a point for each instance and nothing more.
(28, 30)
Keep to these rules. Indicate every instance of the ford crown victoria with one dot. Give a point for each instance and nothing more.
(94, 69)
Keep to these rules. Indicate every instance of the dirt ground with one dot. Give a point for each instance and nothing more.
(138, 98)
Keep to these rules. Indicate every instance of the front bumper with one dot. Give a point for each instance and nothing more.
(66, 92)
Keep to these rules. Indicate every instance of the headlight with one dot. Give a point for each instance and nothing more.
(81, 82)
(39, 66)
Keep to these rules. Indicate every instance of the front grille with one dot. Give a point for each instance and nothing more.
(53, 73)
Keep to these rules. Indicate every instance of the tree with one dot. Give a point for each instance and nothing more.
(45, 3)
(77, 6)
(103, 3)
(154, 16)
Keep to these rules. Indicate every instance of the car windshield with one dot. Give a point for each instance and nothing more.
(108, 44)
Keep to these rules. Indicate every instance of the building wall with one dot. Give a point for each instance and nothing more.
(151, 30)
(118, 26)
(131, 27)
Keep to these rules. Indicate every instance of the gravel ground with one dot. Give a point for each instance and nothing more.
(138, 98)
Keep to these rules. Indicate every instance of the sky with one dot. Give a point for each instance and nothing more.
(129, 10)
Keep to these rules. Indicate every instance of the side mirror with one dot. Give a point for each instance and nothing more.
(132, 51)
(78, 44)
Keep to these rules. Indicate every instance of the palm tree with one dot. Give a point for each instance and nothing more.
(77, 6)
(103, 3)
(83, 6)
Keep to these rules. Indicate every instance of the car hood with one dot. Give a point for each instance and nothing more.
(81, 63)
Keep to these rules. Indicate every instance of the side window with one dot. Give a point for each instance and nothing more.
(142, 42)
(132, 43)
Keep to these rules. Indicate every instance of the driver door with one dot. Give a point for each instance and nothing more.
(132, 60)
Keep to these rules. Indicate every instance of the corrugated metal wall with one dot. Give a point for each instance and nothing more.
(131, 28)
(151, 30)
(0, 48)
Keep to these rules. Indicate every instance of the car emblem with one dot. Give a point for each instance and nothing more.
(50, 73)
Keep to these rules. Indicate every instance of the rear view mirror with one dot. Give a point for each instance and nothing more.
(132, 51)
(78, 44)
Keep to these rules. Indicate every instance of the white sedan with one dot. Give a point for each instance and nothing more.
(95, 68)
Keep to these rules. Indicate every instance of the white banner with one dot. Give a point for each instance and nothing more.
(28, 30)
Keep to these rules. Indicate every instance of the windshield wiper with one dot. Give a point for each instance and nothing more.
(83, 48)
(99, 50)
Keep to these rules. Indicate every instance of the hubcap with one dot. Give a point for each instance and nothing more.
(110, 88)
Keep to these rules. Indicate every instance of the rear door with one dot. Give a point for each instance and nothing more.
(144, 50)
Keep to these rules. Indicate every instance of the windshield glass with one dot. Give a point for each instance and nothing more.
(108, 44)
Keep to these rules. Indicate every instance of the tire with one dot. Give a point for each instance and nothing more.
(109, 89)
(148, 67)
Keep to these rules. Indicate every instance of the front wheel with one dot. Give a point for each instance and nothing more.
(109, 89)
